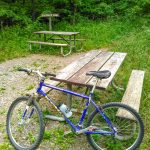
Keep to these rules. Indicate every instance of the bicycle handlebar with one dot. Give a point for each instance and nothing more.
(29, 71)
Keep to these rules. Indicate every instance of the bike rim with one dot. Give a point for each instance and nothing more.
(24, 134)
(127, 130)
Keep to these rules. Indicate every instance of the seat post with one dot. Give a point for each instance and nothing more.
(94, 86)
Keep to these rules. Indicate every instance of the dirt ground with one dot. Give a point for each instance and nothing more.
(14, 84)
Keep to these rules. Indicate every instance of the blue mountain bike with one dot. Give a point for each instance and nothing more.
(106, 129)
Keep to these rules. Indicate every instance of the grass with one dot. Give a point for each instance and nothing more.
(2, 89)
(5, 146)
(120, 35)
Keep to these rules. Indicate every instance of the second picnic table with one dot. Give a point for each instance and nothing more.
(68, 38)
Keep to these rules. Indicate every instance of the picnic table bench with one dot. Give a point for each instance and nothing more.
(98, 60)
(132, 95)
(68, 39)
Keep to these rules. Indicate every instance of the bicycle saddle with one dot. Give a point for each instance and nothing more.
(100, 74)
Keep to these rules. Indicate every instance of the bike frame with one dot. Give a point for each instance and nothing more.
(77, 128)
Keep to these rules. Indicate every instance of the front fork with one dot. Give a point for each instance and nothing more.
(31, 98)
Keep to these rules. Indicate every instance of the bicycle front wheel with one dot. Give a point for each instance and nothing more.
(24, 124)
(129, 130)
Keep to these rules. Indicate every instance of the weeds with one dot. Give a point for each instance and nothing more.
(2, 89)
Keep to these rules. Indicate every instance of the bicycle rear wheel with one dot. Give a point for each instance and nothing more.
(24, 124)
(130, 131)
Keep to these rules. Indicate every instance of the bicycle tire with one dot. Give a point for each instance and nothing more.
(9, 122)
(113, 141)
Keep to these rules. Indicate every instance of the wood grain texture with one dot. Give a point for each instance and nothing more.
(67, 39)
(112, 65)
(94, 65)
(47, 43)
(57, 33)
(50, 15)
(72, 68)
(133, 93)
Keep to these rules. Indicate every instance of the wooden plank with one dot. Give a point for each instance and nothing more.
(67, 39)
(50, 15)
(47, 43)
(81, 78)
(56, 32)
(72, 68)
(112, 65)
(133, 93)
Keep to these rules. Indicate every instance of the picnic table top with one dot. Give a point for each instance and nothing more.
(75, 73)
(57, 33)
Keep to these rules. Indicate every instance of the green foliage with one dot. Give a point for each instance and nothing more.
(30, 87)
(2, 89)
(13, 14)
(5, 146)
(47, 135)
(23, 13)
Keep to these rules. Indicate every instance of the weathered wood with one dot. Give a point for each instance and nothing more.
(72, 68)
(133, 93)
(67, 39)
(112, 65)
(47, 43)
(94, 65)
(49, 15)
(57, 33)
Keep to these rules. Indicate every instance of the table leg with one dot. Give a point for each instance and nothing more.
(69, 96)
(40, 39)
(44, 37)
(90, 108)
(116, 86)
(50, 23)
(30, 46)
(74, 38)
(70, 41)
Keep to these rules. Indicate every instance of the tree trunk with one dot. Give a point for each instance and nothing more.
(23, 2)
(33, 10)
(73, 10)
(1, 25)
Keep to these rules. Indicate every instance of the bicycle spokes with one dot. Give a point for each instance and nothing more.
(24, 124)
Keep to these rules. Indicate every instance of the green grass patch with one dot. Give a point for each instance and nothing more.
(2, 89)
(30, 87)
(5, 146)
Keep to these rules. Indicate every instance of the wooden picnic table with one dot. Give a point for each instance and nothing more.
(98, 60)
(75, 73)
(68, 38)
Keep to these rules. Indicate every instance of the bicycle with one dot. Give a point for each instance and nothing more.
(104, 129)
